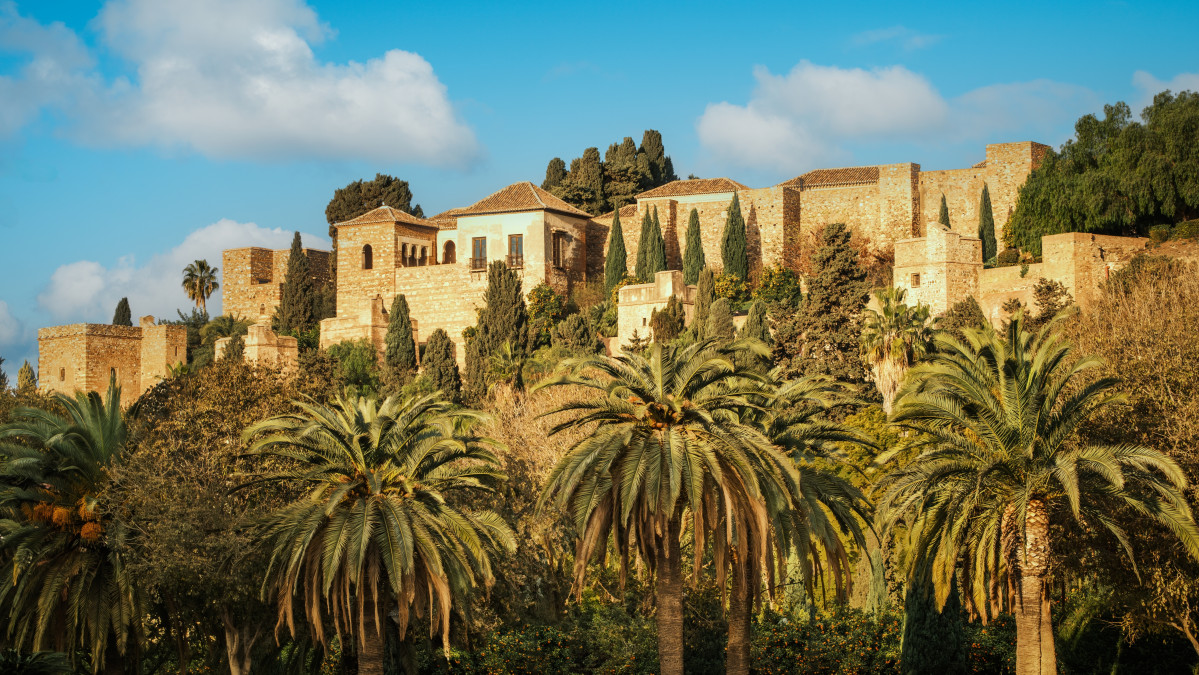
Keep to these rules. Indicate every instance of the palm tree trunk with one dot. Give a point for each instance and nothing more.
(668, 593)
(1035, 653)
(740, 609)
(370, 648)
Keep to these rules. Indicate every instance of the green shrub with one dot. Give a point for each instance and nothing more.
(779, 288)
(849, 641)
(1159, 233)
(1009, 257)
(1187, 229)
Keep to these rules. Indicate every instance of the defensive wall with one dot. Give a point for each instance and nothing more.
(252, 278)
(83, 356)
(265, 347)
(638, 302)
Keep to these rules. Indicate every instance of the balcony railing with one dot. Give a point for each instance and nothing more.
(516, 261)
(478, 264)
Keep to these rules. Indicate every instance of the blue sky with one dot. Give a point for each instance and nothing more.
(137, 135)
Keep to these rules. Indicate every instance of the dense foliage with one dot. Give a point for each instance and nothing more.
(627, 170)
(122, 316)
(734, 247)
(616, 263)
(299, 307)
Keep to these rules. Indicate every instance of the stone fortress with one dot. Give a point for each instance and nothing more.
(440, 263)
(83, 356)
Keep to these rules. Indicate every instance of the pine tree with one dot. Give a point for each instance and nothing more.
(661, 168)
(943, 216)
(986, 225)
(503, 319)
(440, 366)
(822, 337)
(616, 265)
(399, 354)
(933, 641)
(26, 379)
(297, 297)
(655, 260)
(644, 249)
(693, 256)
(733, 246)
(720, 321)
(122, 316)
(705, 292)
(668, 323)
(555, 174)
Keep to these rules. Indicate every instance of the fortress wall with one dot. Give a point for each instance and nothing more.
(998, 285)
(962, 188)
(248, 284)
(899, 204)
(772, 217)
(1008, 166)
(81, 356)
(446, 297)
(858, 206)
(357, 286)
(639, 301)
(161, 348)
(574, 253)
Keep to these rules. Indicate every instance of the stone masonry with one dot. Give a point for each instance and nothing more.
(252, 278)
(638, 302)
(264, 346)
(83, 356)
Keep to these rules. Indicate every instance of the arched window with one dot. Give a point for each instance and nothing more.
(403, 255)
(112, 372)
(62, 374)
(424, 256)
(447, 254)
(368, 258)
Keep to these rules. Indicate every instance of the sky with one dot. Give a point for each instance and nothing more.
(139, 135)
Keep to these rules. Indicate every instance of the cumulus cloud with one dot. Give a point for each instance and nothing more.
(10, 326)
(86, 290)
(57, 62)
(1149, 86)
(809, 117)
(234, 79)
(903, 36)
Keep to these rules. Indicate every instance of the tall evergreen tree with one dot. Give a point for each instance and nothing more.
(822, 338)
(661, 168)
(986, 225)
(733, 246)
(555, 174)
(297, 297)
(584, 183)
(399, 354)
(235, 349)
(668, 323)
(693, 255)
(3, 377)
(705, 293)
(933, 640)
(943, 216)
(123, 316)
(656, 258)
(616, 265)
(645, 247)
(626, 173)
(720, 322)
(503, 319)
(440, 366)
(26, 379)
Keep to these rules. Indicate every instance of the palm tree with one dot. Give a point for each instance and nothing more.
(377, 529)
(665, 438)
(893, 339)
(65, 580)
(199, 280)
(812, 508)
(999, 417)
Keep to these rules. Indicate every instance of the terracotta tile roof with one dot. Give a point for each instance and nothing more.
(386, 214)
(697, 186)
(854, 175)
(626, 212)
(446, 220)
(523, 196)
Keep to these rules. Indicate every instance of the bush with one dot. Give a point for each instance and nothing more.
(1187, 229)
(1008, 257)
(849, 641)
(779, 288)
(735, 290)
(574, 333)
(1159, 233)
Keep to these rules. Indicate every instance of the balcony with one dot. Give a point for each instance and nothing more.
(516, 261)
(478, 264)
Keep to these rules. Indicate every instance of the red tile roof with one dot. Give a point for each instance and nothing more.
(386, 214)
(523, 196)
(627, 211)
(446, 220)
(854, 175)
(696, 186)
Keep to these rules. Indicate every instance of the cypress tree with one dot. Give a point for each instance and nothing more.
(704, 294)
(986, 225)
(235, 350)
(668, 323)
(656, 258)
(661, 168)
(123, 316)
(644, 246)
(757, 327)
(943, 216)
(693, 256)
(616, 265)
(440, 366)
(3, 377)
(933, 641)
(503, 319)
(26, 380)
(733, 247)
(720, 321)
(399, 352)
(297, 298)
(555, 173)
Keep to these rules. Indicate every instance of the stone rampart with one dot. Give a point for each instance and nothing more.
(83, 356)
(638, 302)
(252, 278)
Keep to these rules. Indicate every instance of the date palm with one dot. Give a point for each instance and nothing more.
(665, 435)
(64, 582)
(893, 339)
(199, 281)
(377, 529)
(998, 418)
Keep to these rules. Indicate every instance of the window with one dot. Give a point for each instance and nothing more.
(62, 374)
(478, 253)
(368, 258)
(915, 280)
(643, 321)
(424, 256)
(557, 243)
(403, 255)
(516, 250)
(113, 372)
(447, 254)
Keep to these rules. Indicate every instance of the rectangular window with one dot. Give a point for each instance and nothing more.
(516, 250)
(915, 280)
(478, 253)
(557, 243)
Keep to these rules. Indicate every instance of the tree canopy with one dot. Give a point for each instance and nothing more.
(626, 170)
(123, 316)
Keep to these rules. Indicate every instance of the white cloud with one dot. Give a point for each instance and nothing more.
(1149, 86)
(86, 290)
(905, 37)
(57, 63)
(808, 117)
(235, 79)
(10, 327)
